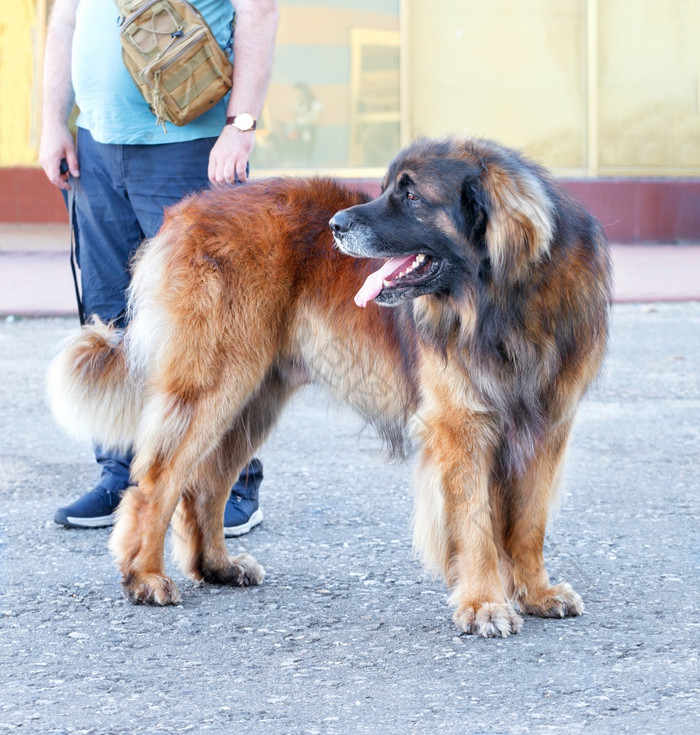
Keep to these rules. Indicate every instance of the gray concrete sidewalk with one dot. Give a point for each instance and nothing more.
(347, 635)
(36, 280)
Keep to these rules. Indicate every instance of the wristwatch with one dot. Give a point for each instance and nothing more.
(244, 121)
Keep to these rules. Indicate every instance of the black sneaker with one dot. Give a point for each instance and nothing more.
(242, 512)
(95, 509)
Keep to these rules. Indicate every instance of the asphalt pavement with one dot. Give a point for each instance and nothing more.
(347, 635)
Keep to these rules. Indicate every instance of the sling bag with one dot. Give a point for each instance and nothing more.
(173, 58)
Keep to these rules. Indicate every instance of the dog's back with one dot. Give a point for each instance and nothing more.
(236, 283)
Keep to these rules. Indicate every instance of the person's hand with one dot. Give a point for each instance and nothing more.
(229, 156)
(57, 144)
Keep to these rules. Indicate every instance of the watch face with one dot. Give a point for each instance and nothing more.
(244, 121)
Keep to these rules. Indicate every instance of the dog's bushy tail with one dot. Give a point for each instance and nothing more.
(91, 393)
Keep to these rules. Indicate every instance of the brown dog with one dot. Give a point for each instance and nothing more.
(502, 286)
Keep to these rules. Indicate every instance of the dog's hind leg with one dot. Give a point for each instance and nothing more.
(198, 539)
(524, 541)
(137, 541)
(180, 430)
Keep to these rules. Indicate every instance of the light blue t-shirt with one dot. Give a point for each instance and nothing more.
(111, 105)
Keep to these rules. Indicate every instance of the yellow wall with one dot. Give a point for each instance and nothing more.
(598, 86)
(21, 38)
(505, 69)
(649, 81)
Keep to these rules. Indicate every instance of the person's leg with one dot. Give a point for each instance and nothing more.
(157, 176)
(108, 234)
(108, 226)
(242, 511)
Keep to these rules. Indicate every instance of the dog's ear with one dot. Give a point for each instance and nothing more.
(520, 222)
(475, 207)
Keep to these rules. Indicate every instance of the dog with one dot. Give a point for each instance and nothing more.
(500, 288)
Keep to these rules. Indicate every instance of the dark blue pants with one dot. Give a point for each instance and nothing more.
(119, 201)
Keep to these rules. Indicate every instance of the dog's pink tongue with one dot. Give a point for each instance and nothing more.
(375, 281)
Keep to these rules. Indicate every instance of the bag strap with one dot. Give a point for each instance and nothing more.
(126, 7)
(123, 12)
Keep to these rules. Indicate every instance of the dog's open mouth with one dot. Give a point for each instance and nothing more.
(396, 274)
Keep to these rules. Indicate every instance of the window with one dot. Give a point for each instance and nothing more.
(334, 99)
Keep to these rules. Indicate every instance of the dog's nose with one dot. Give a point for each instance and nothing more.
(340, 222)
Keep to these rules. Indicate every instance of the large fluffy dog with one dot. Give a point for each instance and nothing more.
(501, 288)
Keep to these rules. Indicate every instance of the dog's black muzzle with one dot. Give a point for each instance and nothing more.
(340, 222)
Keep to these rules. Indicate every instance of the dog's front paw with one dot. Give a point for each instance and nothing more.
(241, 571)
(488, 620)
(150, 589)
(560, 601)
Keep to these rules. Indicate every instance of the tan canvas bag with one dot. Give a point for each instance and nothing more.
(173, 57)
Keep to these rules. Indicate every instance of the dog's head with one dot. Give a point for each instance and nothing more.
(451, 212)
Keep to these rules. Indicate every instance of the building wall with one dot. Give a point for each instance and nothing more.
(21, 40)
(506, 69)
(606, 87)
(595, 89)
(589, 87)
(649, 87)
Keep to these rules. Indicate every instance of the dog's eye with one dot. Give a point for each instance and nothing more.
(413, 197)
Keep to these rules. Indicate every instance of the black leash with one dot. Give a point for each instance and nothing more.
(70, 204)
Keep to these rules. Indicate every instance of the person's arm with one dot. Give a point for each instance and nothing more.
(56, 142)
(253, 55)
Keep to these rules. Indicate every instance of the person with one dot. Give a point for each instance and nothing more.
(124, 169)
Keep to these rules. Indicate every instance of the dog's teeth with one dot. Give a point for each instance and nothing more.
(419, 259)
